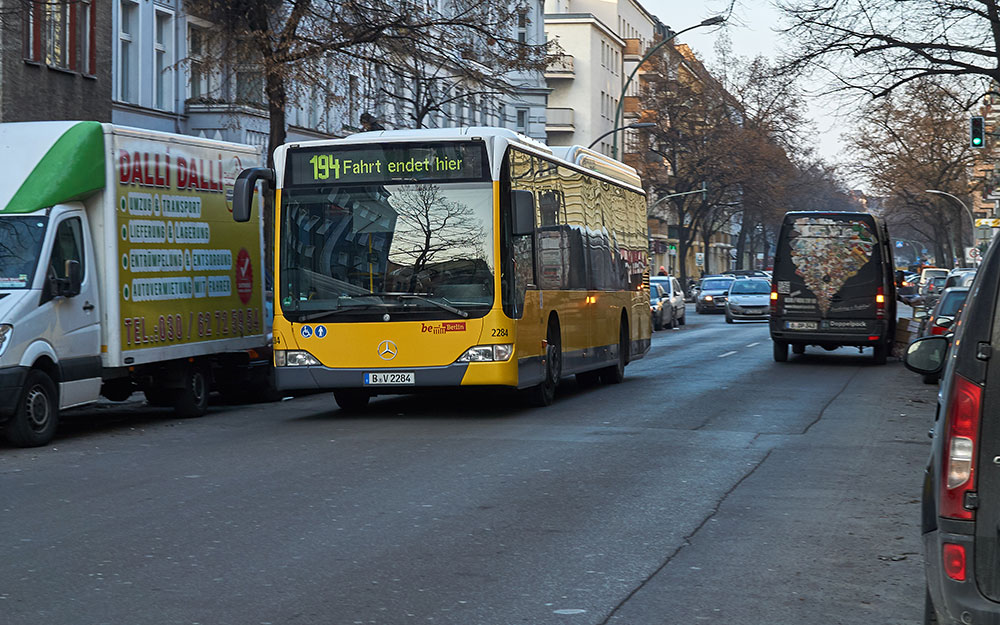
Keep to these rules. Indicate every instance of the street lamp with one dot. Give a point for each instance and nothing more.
(632, 125)
(972, 219)
(712, 21)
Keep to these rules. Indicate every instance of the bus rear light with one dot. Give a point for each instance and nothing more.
(953, 558)
(487, 353)
(962, 432)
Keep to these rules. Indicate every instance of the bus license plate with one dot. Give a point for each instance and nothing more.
(376, 379)
(801, 325)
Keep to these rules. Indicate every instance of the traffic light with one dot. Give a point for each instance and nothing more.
(977, 133)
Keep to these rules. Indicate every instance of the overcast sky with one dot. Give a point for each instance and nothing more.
(752, 32)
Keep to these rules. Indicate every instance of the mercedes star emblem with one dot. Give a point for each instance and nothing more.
(387, 350)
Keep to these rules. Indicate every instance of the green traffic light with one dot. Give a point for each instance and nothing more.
(977, 141)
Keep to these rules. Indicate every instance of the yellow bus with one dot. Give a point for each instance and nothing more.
(417, 259)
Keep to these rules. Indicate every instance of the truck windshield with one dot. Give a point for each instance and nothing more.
(20, 244)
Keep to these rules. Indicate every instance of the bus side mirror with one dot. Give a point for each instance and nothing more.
(523, 205)
(243, 190)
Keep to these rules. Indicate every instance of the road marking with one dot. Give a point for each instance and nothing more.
(754, 344)
(726, 354)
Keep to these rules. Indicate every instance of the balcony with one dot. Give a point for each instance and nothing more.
(633, 50)
(559, 120)
(561, 66)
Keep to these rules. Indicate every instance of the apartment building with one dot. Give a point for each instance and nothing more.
(55, 61)
(602, 43)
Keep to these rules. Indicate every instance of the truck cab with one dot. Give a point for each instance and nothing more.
(51, 314)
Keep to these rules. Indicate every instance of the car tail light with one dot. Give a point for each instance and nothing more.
(962, 436)
(938, 330)
(774, 301)
(953, 558)
(880, 304)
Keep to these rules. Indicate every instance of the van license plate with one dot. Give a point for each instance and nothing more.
(382, 379)
(801, 325)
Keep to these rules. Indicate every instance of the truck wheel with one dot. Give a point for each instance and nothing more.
(350, 399)
(191, 399)
(780, 351)
(34, 423)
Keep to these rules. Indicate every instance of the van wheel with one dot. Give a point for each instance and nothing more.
(37, 415)
(880, 353)
(191, 400)
(780, 351)
(544, 393)
(351, 400)
(798, 348)
(615, 374)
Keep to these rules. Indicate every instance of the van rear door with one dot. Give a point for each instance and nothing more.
(828, 270)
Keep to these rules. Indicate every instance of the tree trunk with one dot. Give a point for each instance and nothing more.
(277, 99)
(741, 243)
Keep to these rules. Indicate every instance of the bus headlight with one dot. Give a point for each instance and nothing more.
(289, 358)
(5, 331)
(487, 353)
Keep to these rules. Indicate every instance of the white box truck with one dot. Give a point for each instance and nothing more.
(121, 269)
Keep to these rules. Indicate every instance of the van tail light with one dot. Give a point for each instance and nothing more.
(774, 301)
(880, 304)
(953, 558)
(960, 445)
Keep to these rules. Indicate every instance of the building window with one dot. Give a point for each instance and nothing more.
(249, 86)
(522, 27)
(200, 86)
(60, 35)
(522, 121)
(128, 52)
(163, 57)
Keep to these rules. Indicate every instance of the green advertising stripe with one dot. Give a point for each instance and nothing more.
(71, 169)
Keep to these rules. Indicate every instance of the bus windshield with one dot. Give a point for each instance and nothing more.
(370, 246)
(20, 245)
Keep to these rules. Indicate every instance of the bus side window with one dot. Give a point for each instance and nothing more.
(517, 252)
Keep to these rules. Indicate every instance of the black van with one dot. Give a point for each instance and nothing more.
(833, 284)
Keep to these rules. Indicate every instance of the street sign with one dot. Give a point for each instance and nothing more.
(699, 259)
(972, 254)
(988, 223)
(899, 244)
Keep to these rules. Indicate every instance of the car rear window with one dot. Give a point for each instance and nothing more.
(952, 302)
(714, 285)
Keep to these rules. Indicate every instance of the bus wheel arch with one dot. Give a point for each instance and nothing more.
(543, 393)
(615, 374)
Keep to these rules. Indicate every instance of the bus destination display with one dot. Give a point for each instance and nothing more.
(387, 163)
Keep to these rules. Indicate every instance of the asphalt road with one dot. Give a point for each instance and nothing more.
(713, 485)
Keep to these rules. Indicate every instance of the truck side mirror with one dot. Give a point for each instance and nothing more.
(244, 187)
(523, 205)
(71, 287)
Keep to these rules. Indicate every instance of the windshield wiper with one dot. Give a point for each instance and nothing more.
(329, 313)
(425, 297)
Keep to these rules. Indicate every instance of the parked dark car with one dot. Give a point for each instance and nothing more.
(961, 493)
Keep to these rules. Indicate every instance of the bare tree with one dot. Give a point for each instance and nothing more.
(877, 46)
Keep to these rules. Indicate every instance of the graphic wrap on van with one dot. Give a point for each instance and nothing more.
(827, 253)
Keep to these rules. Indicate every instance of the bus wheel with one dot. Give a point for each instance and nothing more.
(616, 373)
(780, 351)
(544, 393)
(880, 353)
(34, 423)
(351, 399)
(191, 400)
